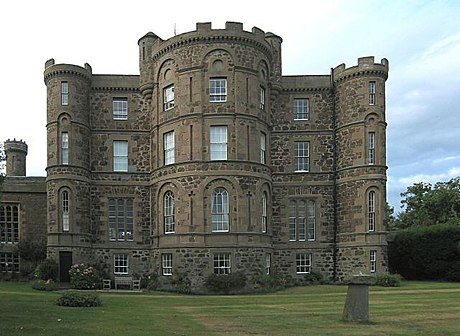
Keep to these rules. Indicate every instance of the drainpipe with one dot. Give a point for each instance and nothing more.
(334, 178)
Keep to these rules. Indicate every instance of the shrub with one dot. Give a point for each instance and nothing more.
(47, 269)
(388, 280)
(48, 285)
(32, 250)
(83, 276)
(313, 278)
(426, 253)
(225, 283)
(272, 282)
(181, 283)
(75, 299)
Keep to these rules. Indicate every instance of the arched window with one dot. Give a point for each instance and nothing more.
(264, 212)
(65, 202)
(168, 212)
(219, 211)
(371, 210)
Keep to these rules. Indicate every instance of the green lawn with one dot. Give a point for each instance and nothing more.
(416, 308)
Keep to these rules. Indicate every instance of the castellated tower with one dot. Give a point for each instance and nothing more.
(68, 167)
(361, 166)
(16, 152)
(210, 161)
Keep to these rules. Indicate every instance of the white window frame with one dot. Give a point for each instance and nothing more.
(302, 156)
(121, 219)
(168, 97)
(120, 264)
(167, 264)
(222, 263)
(264, 216)
(120, 108)
(301, 108)
(9, 262)
(64, 93)
(303, 263)
(262, 98)
(65, 206)
(65, 148)
(263, 148)
(168, 212)
(220, 210)
(218, 142)
(372, 93)
(120, 156)
(371, 210)
(169, 148)
(373, 261)
(268, 263)
(218, 90)
(371, 141)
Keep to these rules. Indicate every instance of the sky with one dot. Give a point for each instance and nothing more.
(421, 40)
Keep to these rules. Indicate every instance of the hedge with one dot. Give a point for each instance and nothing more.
(427, 253)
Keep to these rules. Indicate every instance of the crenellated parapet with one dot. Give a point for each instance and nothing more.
(366, 67)
(53, 70)
(16, 152)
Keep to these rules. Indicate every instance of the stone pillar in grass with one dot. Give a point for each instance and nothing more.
(356, 307)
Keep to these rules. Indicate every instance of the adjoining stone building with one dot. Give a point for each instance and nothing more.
(212, 161)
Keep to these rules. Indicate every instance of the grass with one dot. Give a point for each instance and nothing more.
(416, 308)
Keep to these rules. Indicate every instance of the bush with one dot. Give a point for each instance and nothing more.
(388, 280)
(272, 282)
(313, 278)
(48, 285)
(426, 253)
(47, 269)
(225, 283)
(84, 277)
(32, 250)
(75, 299)
(181, 283)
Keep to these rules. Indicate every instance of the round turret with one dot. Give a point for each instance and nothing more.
(16, 152)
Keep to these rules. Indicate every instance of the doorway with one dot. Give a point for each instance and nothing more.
(65, 263)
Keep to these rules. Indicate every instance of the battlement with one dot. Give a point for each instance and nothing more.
(52, 70)
(204, 32)
(15, 146)
(366, 65)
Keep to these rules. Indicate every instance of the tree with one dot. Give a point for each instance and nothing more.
(428, 205)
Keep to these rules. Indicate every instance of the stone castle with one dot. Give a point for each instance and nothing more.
(209, 161)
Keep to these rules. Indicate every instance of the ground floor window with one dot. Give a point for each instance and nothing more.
(120, 264)
(9, 262)
(373, 261)
(222, 263)
(303, 262)
(166, 263)
(268, 263)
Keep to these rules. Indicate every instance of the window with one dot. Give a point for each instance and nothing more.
(262, 98)
(169, 223)
(372, 93)
(64, 93)
(220, 221)
(9, 262)
(302, 156)
(218, 142)
(264, 212)
(373, 261)
(121, 219)
(168, 97)
(371, 207)
(64, 148)
(166, 263)
(120, 156)
(222, 263)
(302, 220)
(168, 147)
(301, 109)
(263, 148)
(9, 223)
(268, 263)
(218, 90)
(65, 210)
(303, 262)
(120, 264)
(371, 148)
(120, 108)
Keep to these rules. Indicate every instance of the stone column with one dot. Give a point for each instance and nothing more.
(356, 307)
